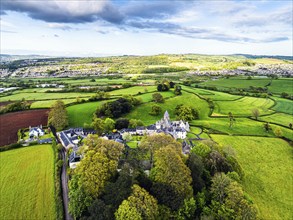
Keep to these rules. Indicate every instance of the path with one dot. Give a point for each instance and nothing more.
(64, 184)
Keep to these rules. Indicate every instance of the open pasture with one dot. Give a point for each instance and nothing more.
(134, 90)
(278, 118)
(43, 96)
(267, 163)
(243, 106)
(27, 183)
(49, 103)
(142, 112)
(224, 83)
(281, 85)
(283, 105)
(82, 113)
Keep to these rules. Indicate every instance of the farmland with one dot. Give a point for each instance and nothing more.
(267, 163)
(27, 183)
(11, 122)
(263, 152)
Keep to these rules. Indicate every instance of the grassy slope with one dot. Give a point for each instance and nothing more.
(282, 85)
(49, 103)
(142, 111)
(279, 118)
(267, 163)
(82, 113)
(243, 106)
(283, 105)
(27, 183)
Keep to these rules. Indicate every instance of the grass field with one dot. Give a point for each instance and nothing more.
(267, 163)
(142, 111)
(283, 105)
(243, 107)
(282, 85)
(44, 96)
(82, 113)
(214, 95)
(27, 183)
(224, 83)
(133, 90)
(279, 118)
(49, 103)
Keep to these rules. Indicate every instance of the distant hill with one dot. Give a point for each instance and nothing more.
(250, 56)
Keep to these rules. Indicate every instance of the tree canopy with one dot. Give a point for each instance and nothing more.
(58, 116)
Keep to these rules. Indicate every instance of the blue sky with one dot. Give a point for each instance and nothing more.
(93, 28)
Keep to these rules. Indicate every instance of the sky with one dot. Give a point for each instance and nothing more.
(104, 27)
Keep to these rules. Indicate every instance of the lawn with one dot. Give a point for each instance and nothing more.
(283, 105)
(267, 163)
(82, 113)
(27, 183)
(243, 106)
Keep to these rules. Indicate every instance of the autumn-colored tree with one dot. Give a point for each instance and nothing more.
(58, 116)
(139, 205)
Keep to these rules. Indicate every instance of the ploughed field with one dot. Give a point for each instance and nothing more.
(12, 122)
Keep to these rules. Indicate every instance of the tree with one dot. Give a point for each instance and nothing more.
(177, 90)
(78, 199)
(155, 142)
(133, 123)
(172, 84)
(267, 126)
(127, 136)
(109, 124)
(139, 205)
(255, 113)
(169, 169)
(121, 123)
(278, 132)
(196, 166)
(185, 113)
(290, 125)
(99, 164)
(231, 119)
(157, 97)
(216, 162)
(156, 110)
(58, 116)
(98, 125)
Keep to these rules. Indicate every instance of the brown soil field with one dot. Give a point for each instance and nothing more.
(10, 123)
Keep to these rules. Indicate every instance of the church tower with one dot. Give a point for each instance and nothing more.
(166, 119)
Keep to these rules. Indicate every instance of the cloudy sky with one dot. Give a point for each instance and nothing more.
(104, 27)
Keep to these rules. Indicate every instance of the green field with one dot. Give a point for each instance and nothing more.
(133, 90)
(82, 113)
(282, 85)
(27, 183)
(142, 112)
(267, 163)
(224, 83)
(243, 106)
(279, 118)
(44, 96)
(49, 103)
(283, 105)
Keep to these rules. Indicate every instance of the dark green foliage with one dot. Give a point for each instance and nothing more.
(121, 123)
(216, 162)
(157, 97)
(177, 90)
(196, 166)
(98, 210)
(167, 195)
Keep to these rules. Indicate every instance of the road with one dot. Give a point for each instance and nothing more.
(64, 185)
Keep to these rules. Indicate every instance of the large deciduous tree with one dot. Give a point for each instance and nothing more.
(58, 116)
(169, 169)
(139, 205)
(157, 97)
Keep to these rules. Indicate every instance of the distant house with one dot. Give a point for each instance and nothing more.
(36, 132)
